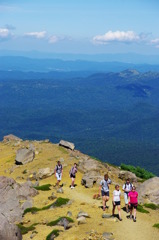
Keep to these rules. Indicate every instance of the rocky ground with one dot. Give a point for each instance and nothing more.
(92, 224)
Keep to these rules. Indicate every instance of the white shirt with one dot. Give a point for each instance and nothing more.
(127, 187)
(116, 195)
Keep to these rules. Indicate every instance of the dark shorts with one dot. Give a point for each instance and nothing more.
(117, 203)
(72, 176)
(133, 205)
(105, 193)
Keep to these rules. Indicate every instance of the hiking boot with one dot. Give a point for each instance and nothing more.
(120, 219)
(134, 219)
(72, 187)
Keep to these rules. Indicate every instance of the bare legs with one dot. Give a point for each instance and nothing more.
(73, 181)
(105, 200)
(119, 211)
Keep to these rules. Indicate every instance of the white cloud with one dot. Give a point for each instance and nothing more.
(155, 42)
(37, 35)
(118, 36)
(53, 39)
(4, 34)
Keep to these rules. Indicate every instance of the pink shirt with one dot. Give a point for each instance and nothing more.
(133, 196)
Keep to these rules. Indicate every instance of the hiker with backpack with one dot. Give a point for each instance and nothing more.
(133, 202)
(127, 187)
(73, 172)
(116, 201)
(104, 190)
(58, 172)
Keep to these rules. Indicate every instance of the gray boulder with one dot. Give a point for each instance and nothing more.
(24, 156)
(126, 174)
(84, 214)
(81, 220)
(90, 178)
(66, 144)
(89, 164)
(10, 195)
(149, 191)
(8, 231)
(45, 173)
(10, 138)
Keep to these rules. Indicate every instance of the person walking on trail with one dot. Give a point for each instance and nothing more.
(73, 172)
(116, 201)
(58, 172)
(127, 187)
(104, 190)
(133, 202)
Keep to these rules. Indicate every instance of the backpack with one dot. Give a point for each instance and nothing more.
(129, 184)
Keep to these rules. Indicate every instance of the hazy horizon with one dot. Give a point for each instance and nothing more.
(90, 27)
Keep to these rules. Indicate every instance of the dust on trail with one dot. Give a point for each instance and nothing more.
(124, 230)
(82, 199)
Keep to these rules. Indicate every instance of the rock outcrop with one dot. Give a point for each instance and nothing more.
(126, 174)
(90, 178)
(24, 156)
(149, 191)
(91, 170)
(8, 231)
(10, 138)
(66, 144)
(44, 173)
(10, 195)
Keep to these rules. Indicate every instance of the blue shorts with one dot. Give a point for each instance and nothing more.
(105, 193)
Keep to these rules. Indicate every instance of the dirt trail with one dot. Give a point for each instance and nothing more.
(82, 199)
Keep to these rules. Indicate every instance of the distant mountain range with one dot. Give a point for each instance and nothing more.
(14, 63)
(112, 116)
(132, 58)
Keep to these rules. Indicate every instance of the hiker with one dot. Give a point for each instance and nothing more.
(104, 190)
(73, 172)
(116, 201)
(58, 172)
(133, 202)
(127, 187)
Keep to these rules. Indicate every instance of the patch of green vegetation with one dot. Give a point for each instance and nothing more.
(141, 209)
(25, 171)
(50, 159)
(156, 225)
(55, 222)
(140, 172)
(151, 206)
(59, 202)
(141, 180)
(25, 230)
(97, 159)
(62, 149)
(55, 232)
(45, 187)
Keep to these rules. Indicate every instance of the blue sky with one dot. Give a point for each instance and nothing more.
(83, 26)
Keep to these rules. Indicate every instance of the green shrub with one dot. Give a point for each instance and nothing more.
(151, 205)
(141, 209)
(140, 172)
(59, 202)
(55, 232)
(45, 187)
(55, 222)
(25, 230)
(25, 171)
(156, 225)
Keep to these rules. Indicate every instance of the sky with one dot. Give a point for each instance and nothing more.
(80, 26)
